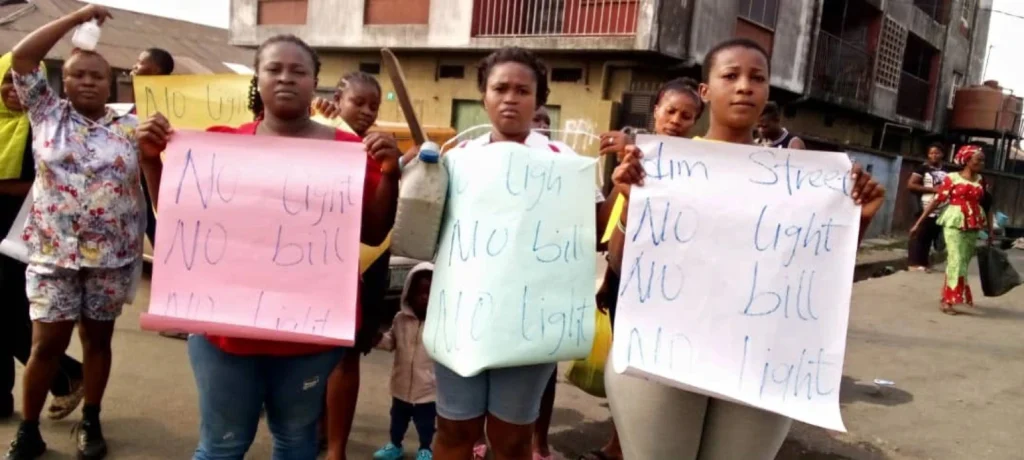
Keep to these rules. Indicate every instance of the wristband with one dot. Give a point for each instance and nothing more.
(401, 163)
(620, 226)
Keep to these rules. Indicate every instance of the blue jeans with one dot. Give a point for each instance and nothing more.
(233, 389)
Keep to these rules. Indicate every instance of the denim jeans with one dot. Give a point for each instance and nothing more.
(234, 388)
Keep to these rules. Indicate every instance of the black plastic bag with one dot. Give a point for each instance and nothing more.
(997, 275)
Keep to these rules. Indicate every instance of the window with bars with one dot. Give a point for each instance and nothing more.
(890, 54)
(763, 12)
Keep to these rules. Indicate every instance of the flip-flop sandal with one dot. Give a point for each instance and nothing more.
(949, 310)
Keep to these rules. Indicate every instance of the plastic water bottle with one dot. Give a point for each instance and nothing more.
(86, 36)
(421, 200)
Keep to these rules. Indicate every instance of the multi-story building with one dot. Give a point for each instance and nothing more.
(869, 73)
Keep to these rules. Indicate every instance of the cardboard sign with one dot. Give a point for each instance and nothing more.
(194, 101)
(737, 275)
(514, 276)
(258, 237)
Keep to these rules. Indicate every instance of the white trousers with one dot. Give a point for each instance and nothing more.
(657, 422)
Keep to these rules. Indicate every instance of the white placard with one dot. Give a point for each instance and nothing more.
(737, 274)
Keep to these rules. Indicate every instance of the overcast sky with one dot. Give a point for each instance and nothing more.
(1006, 33)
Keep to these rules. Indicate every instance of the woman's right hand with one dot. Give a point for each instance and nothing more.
(93, 11)
(153, 135)
(630, 172)
(916, 228)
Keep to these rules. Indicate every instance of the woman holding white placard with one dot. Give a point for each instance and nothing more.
(658, 421)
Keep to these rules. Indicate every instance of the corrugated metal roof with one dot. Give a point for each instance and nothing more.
(196, 48)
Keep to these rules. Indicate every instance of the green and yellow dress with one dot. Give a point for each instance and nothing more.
(961, 223)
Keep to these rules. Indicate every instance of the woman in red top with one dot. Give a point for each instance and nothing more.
(961, 221)
(236, 378)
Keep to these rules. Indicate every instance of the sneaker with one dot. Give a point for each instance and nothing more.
(91, 445)
(388, 452)
(27, 445)
(63, 406)
(424, 454)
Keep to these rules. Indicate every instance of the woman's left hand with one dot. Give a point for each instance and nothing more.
(867, 192)
(384, 148)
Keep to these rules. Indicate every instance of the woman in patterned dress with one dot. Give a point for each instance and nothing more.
(961, 222)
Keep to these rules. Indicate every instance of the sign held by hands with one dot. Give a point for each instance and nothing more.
(258, 238)
(514, 277)
(737, 275)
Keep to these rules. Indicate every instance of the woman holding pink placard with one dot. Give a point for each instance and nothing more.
(235, 377)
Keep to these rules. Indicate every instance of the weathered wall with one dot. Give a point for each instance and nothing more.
(714, 21)
(339, 24)
(581, 104)
(791, 51)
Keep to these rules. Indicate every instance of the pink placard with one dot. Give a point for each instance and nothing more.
(258, 237)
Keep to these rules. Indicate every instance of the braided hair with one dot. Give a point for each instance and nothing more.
(683, 85)
(255, 101)
(517, 55)
(352, 78)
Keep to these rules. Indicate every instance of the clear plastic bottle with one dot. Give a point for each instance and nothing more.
(421, 201)
(86, 36)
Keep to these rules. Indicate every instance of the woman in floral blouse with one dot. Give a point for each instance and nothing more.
(84, 232)
(961, 223)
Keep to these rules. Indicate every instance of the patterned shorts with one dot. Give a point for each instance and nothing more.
(61, 294)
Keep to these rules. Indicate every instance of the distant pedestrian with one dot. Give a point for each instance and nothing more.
(924, 184)
(413, 388)
(772, 134)
(962, 220)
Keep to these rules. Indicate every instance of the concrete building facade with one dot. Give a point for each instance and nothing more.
(850, 73)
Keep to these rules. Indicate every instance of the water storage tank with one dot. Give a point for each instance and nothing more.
(986, 108)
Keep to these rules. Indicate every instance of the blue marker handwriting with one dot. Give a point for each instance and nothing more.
(555, 322)
(795, 177)
(659, 167)
(532, 179)
(795, 299)
(659, 348)
(815, 235)
(797, 376)
(653, 276)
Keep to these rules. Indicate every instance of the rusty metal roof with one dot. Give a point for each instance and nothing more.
(196, 48)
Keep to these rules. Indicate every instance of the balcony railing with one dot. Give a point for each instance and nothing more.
(913, 97)
(554, 18)
(842, 69)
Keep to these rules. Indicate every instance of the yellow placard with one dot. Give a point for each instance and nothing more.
(620, 202)
(195, 101)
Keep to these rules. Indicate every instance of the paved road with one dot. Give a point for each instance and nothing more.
(958, 387)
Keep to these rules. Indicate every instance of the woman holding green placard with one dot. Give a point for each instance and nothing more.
(658, 421)
(504, 402)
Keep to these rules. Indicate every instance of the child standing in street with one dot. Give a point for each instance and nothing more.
(412, 376)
